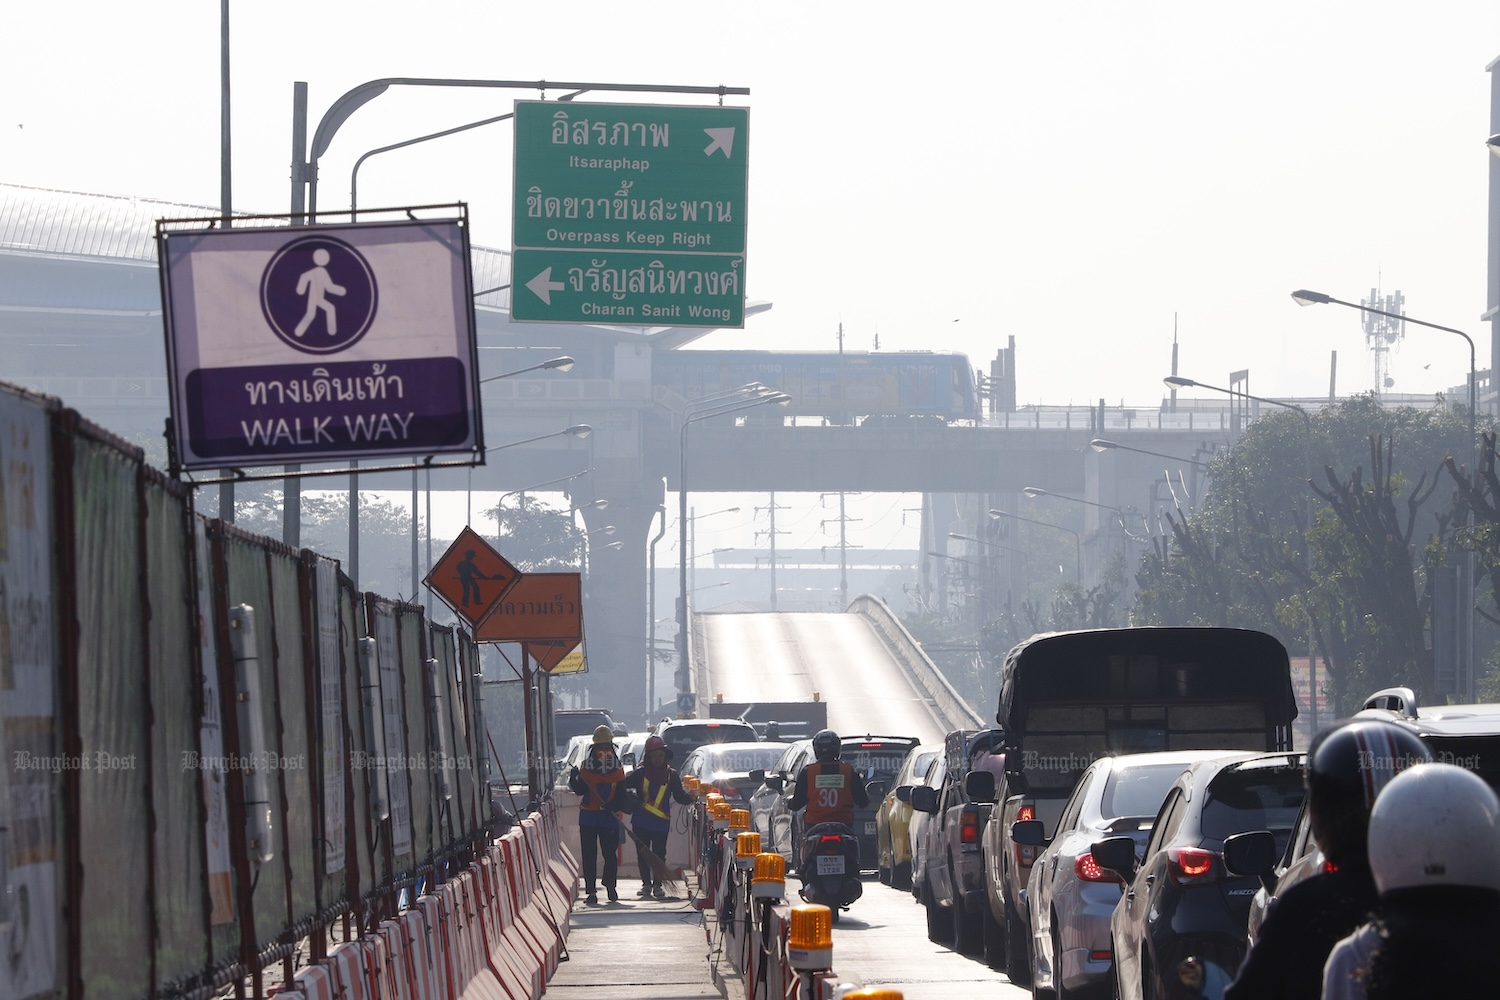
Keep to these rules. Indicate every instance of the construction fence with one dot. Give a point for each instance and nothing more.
(220, 760)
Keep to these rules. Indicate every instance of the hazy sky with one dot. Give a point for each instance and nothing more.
(940, 175)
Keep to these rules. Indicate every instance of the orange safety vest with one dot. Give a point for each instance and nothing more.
(604, 787)
(830, 793)
(654, 804)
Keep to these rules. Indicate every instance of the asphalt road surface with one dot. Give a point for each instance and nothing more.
(882, 941)
(788, 656)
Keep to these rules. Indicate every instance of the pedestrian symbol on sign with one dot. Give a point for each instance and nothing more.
(318, 295)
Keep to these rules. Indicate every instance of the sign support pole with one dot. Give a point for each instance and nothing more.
(529, 693)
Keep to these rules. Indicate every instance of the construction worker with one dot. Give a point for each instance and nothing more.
(601, 785)
(833, 790)
(654, 781)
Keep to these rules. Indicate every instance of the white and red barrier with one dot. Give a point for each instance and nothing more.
(494, 931)
(754, 934)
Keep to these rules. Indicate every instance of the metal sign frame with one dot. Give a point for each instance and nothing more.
(333, 396)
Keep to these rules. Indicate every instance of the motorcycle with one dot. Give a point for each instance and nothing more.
(830, 867)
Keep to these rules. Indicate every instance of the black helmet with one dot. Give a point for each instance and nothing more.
(826, 745)
(1346, 768)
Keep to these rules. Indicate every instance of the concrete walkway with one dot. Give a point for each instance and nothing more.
(637, 949)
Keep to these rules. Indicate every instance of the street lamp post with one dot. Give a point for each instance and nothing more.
(1037, 491)
(693, 518)
(500, 503)
(1104, 444)
(1077, 541)
(1303, 297)
(1177, 382)
(720, 404)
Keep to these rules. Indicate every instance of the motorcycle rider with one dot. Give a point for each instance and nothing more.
(828, 789)
(1435, 853)
(1346, 768)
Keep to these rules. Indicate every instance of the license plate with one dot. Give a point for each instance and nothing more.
(869, 828)
(830, 864)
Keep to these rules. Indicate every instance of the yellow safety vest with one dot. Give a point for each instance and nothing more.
(654, 804)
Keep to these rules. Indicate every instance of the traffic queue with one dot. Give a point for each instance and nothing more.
(1166, 841)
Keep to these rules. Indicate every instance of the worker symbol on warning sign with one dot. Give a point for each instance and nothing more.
(471, 577)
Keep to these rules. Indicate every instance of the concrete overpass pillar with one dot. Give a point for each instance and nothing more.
(615, 589)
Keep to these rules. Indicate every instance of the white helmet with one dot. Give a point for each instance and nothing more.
(1435, 824)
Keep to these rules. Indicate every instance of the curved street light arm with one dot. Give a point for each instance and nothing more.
(334, 118)
(1077, 541)
(560, 364)
(354, 173)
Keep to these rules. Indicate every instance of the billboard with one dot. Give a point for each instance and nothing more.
(316, 343)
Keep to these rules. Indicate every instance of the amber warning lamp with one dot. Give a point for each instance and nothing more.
(809, 943)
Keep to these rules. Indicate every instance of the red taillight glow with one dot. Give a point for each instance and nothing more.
(968, 831)
(825, 838)
(1088, 870)
(1101, 956)
(1191, 865)
(1025, 856)
(1329, 866)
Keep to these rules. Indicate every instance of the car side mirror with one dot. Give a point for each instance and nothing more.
(924, 799)
(1252, 853)
(980, 786)
(1029, 833)
(1117, 854)
(903, 794)
(775, 782)
(876, 789)
(758, 774)
(1016, 783)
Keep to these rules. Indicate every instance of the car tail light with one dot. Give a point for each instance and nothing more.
(1192, 865)
(968, 826)
(1101, 956)
(1329, 866)
(1025, 856)
(1088, 870)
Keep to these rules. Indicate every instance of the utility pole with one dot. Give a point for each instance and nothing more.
(843, 520)
(773, 533)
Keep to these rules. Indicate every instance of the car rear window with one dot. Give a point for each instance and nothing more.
(566, 726)
(1260, 798)
(876, 758)
(1137, 791)
(744, 759)
(683, 740)
(1480, 754)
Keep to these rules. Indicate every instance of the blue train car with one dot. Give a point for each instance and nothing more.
(846, 387)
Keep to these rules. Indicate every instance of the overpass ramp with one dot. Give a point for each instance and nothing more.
(862, 663)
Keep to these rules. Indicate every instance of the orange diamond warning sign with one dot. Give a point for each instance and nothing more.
(562, 656)
(471, 577)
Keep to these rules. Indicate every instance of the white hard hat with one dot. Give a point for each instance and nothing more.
(1435, 824)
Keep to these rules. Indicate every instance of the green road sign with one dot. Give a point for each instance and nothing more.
(629, 211)
(635, 289)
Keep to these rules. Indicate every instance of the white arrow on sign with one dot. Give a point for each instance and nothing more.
(723, 139)
(544, 286)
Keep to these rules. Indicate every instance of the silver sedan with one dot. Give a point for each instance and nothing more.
(1070, 898)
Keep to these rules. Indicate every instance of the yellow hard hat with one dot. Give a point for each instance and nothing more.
(603, 736)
